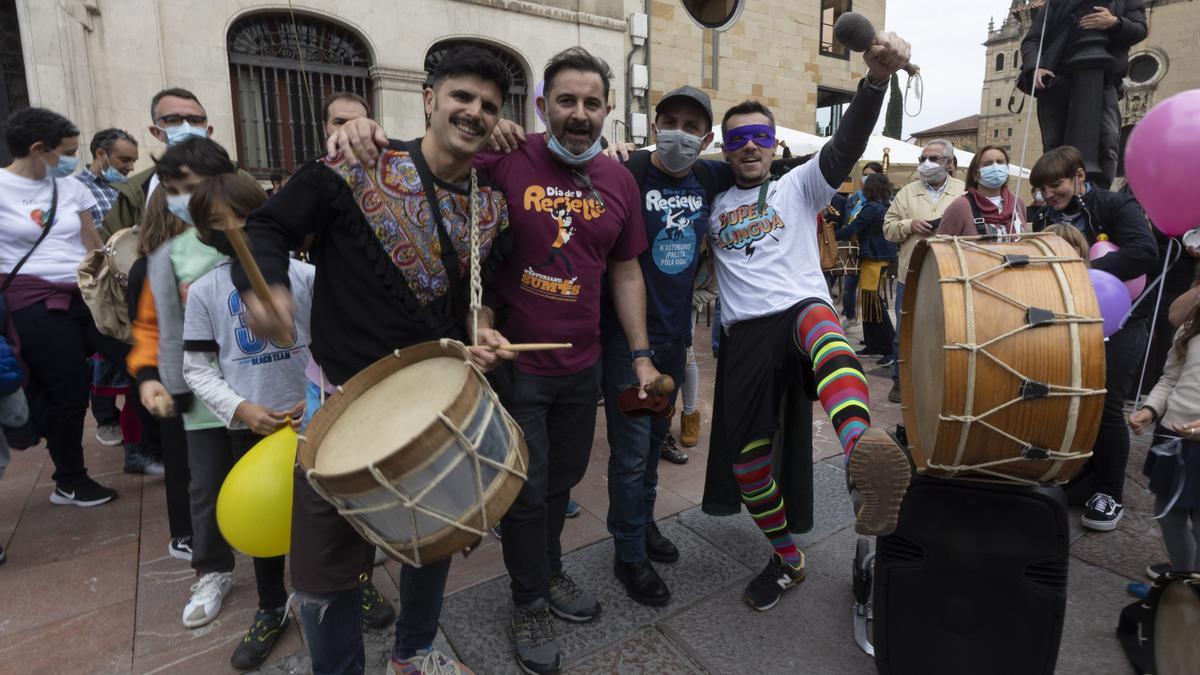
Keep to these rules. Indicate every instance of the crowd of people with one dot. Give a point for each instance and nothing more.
(616, 268)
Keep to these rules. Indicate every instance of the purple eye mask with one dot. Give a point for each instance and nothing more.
(762, 135)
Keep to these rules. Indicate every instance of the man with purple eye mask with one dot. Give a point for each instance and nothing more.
(780, 325)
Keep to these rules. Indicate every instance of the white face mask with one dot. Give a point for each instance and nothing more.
(932, 172)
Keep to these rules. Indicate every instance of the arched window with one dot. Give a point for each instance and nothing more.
(1000, 62)
(514, 105)
(281, 70)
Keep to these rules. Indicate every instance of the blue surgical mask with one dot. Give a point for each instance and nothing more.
(569, 157)
(179, 134)
(113, 176)
(1038, 197)
(65, 167)
(993, 176)
(178, 204)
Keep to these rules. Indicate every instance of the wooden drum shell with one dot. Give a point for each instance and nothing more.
(934, 378)
(430, 444)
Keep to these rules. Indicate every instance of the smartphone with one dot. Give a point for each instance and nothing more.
(935, 223)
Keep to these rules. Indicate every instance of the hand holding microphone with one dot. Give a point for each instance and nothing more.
(885, 53)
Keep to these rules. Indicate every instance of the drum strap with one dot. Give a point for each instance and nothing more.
(449, 255)
(42, 237)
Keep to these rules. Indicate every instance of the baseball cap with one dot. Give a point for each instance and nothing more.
(691, 94)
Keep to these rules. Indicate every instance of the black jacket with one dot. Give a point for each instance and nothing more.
(1061, 28)
(1121, 218)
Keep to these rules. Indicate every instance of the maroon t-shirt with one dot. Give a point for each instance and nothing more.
(563, 238)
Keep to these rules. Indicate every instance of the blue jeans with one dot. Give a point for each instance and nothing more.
(850, 296)
(634, 444)
(896, 340)
(333, 621)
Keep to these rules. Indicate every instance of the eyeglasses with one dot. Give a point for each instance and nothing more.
(584, 181)
(176, 120)
(938, 159)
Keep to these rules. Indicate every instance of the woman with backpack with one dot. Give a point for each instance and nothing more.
(988, 207)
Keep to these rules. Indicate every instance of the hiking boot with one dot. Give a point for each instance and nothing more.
(263, 634)
(110, 435)
(764, 590)
(671, 452)
(428, 662)
(689, 429)
(207, 595)
(377, 612)
(880, 472)
(1102, 513)
(642, 583)
(659, 548)
(570, 602)
(85, 493)
(533, 635)
(180, 548)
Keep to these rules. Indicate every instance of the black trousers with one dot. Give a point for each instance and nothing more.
(56, 344)
(1123, 353)
(170, 438)
(1053, 111)
(558, 417)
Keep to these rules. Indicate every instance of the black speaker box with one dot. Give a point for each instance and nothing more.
(974, 580)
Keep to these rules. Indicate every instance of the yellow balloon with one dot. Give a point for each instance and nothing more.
(254, 508)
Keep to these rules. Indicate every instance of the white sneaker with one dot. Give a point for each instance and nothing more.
(207, 595)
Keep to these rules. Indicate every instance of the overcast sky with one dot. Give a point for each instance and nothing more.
(947, 40)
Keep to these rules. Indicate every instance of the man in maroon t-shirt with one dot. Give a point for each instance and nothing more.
(575, 216)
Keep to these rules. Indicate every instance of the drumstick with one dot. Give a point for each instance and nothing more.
(257, 281)
(531, 346)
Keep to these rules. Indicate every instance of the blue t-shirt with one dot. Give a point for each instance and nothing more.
(676, 212)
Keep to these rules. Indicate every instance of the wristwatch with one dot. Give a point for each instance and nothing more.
(642, 353)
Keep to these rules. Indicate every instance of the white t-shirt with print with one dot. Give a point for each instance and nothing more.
(768, 262)
(24, 203)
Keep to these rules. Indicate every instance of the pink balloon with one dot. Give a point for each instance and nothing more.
(1113, 298)
(1167, 139)
(1103, 248)
(537, 93)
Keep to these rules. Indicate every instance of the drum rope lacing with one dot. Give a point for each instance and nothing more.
(974, 282)
(413, 504)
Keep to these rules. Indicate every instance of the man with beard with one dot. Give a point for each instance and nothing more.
(778, 320)
(383, 281)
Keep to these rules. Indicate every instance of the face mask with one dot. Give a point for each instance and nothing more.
(932, 172)
(993, 176)
(179, 134)
(65, 167)
(112, 175)
(178, 205)
(1038, 197)
(571, 158)
(220, 241)
(678, 150)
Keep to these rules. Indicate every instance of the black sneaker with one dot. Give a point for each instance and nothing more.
(3, 555)
(180, 548)
(885, 360)
(671, 452)
(86, 492)
(894, 394)
(764, 591)
(264, 632)
(1102, 513)
(377, 612)
(1153, 571)
(137, 461)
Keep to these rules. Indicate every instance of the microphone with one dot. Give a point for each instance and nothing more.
(856, 32)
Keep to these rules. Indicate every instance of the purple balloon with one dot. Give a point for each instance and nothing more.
(1167, 139)
(538, 91)
(1113, 298)
(1103, 248)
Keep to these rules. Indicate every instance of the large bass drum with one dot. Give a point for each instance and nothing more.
(1001, 359)
(417, 453)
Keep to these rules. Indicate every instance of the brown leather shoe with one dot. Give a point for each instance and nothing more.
(689, 427)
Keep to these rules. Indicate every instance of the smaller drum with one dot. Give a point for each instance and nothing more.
(417, 453)
(1159, 633)
(847, 263)
(120, 252)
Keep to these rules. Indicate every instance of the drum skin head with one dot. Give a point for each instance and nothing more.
(1176, 627)
(390, 414)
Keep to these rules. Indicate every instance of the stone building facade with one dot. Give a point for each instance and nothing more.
(1165, 63)
(780, 52)
(963, 133)
(100, 61)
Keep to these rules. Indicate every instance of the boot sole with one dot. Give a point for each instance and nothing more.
(662, 558)
(881, 473)
(574, 618)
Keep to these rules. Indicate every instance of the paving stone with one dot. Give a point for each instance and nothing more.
(97, 641)
(1095, 597)
(741, 539)
(646, 651)
(476, 621)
